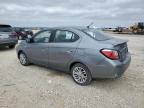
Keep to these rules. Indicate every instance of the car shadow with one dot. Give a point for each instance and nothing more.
(51, 71)
(98, 82)
(109, 83)
(5, 48)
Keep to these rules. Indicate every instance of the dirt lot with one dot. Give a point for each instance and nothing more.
(38, 87)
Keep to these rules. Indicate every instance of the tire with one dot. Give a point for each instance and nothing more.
(23, 59)
(11, 46)
(81, 74)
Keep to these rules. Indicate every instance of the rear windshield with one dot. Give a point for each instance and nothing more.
(5, 28)
(98, 35)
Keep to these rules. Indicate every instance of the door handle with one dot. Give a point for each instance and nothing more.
(69, 51)
(43, 50)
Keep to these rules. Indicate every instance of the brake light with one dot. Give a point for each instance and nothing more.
(111, 54)
(13, 33)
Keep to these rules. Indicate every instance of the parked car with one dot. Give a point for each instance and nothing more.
(7, 36)
(23, 34)
(84, 52)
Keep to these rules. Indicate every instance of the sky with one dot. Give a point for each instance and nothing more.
(48, 13)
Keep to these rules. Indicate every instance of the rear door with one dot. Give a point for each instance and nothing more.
(38, 50)
(62, 48)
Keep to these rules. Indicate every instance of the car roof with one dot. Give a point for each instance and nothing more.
(68, 28)
(5, 25)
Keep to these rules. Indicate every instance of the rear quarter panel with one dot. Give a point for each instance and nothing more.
(88, 52)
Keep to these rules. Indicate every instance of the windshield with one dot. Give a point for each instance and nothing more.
(98, 35)
(5, 28)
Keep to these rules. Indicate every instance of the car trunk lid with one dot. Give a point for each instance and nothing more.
(115, 41)
(4, 35)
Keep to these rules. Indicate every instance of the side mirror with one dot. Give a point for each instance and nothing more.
(29, 40)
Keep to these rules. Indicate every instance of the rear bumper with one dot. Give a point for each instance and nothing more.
(110, 68)
(122, 67)
(7, 43)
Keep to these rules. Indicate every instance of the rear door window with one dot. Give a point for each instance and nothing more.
(65, 36)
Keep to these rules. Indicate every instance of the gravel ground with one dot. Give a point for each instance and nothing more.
(39, 87)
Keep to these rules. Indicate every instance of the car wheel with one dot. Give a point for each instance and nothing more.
(23, 59)
(81, 74)
(11, 46)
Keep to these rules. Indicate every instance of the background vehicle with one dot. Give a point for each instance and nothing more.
(84, 52)
(137, 28)
(7, 36)
(121, 30)
(22, 33)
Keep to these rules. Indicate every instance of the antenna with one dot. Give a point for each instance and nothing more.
(90, 25)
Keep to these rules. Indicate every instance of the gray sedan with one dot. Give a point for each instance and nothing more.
(84, 52)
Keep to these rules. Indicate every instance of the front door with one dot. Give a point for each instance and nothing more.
(38, 49)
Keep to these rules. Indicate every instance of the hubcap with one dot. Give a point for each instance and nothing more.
(79, 75)
(22, 59)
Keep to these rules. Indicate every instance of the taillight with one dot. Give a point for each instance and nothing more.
(13, 33)
(111, 54)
